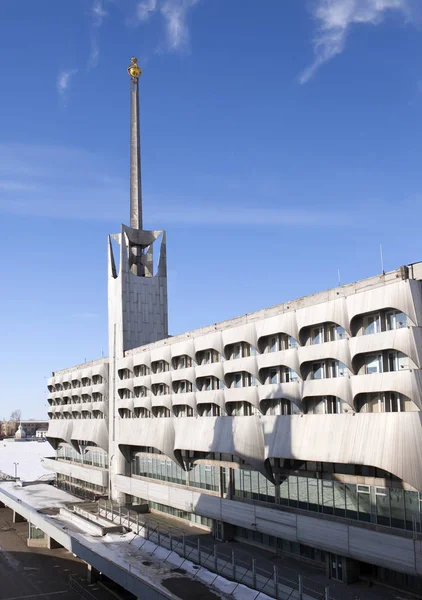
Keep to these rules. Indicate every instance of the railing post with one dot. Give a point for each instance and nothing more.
(158, 536)
(233, 565)
(171, 540)
(215, 557)
(120, 514)
(137, 523)
(147, 530)
(327, 593)
(300, 586)
(199, 550)
(254, 572)
(184, 546)
(275, 577)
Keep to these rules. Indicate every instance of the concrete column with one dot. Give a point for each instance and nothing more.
(17, 518)
(92, 575)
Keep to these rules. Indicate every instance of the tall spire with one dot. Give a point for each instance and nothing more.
(135, 152)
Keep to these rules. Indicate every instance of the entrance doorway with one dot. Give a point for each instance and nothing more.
(336, 567)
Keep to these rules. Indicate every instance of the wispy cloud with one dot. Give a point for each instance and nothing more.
(63, 81)
(98, 14)
(85, 315)
(335, 18)
(72, 183)
(175, 16)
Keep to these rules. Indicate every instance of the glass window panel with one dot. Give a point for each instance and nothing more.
(254, 484)
(313, 494)
(382, 502)
(364, 503)
(293, 495)
(351, 501)
(327, 491)
(339, 499)
(397, 508)
(411, 500)
(284, 492)
(247, 490)
(303, 492)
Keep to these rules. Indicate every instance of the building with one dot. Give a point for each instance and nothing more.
(297, 427)
(20, 433)
(41, 434)
(9, 428)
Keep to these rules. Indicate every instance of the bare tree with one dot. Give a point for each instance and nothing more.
(15, 415)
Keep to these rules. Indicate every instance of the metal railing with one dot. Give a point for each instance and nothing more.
(80, 589)
(216, 558)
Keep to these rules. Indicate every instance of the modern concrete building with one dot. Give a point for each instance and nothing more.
(297, 427)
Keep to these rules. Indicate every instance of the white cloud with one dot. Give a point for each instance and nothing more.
(145, 9)
(63, 81)
(335, 17)
(174, 13)
(98, 14)
(73, 183)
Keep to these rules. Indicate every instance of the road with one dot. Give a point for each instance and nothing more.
(31, 573)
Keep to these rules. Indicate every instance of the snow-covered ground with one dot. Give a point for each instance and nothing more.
(28, 455)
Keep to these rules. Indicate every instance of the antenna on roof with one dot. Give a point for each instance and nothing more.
(338, 276)
(382, 260)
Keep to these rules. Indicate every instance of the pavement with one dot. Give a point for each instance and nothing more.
(288, 566)
(38, 573)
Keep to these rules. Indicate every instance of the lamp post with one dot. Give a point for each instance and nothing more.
(16, 469)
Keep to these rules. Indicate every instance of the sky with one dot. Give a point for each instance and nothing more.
(281, 146)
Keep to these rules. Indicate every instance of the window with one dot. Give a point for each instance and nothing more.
(241, 409)
(277, 406)
(397, 361)
(274, 376)
(86, 381)
(318, 370)
(242, 379)
(96, 379)
(206, 384)
(240, 350)
(335, 332)
(317, 335)
(206, 357)
(160, 389)
(371, 324)
(97, 397)
(373, 363)
(140, 370)
(182, 387)
(396, 320)
(159, 366)
(336, 368)
(140, 391)
(276, 342)
(182, 362)
(333, 405)
(142, 412)
(182, 410)
(393, 402)
(160, 411)
(208, 410)
(124, 394)
(124, 373)
(125, 413)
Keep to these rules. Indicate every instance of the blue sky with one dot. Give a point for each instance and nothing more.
(281, 141)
